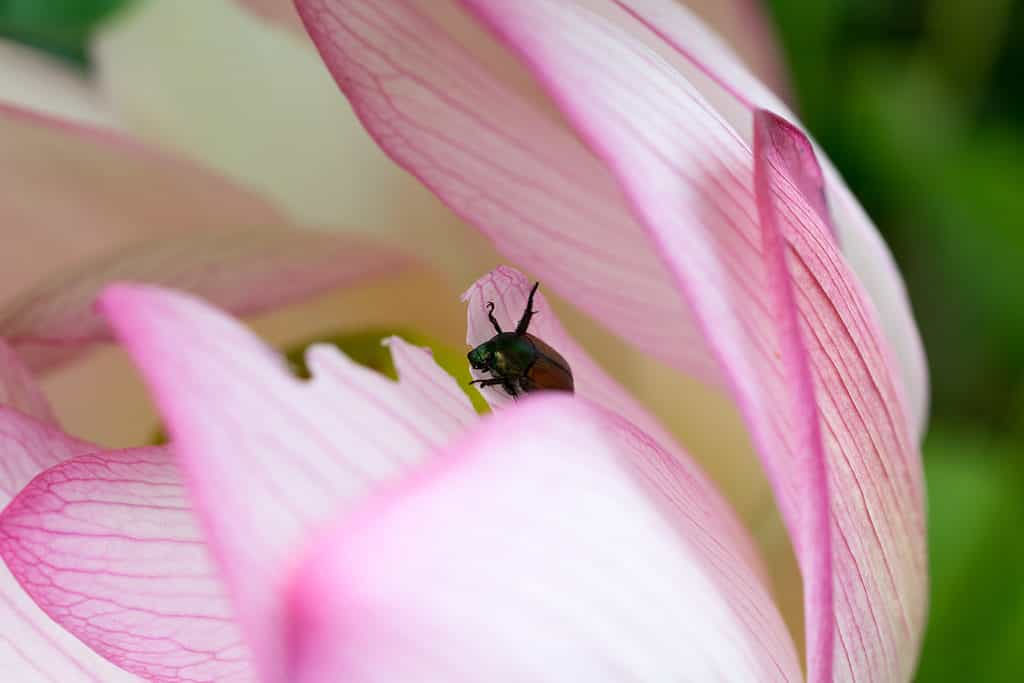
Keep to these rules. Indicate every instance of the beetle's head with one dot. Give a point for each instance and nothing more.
(482, 357)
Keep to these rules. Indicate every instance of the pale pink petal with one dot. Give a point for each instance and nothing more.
(721, 77)
(508, 289)
(33, 647)
(537, 549)
(18, 388)
(70, 194)
(106, 546)
(874, 467)
(35, 81)
(265, 455)
(521, 178)
(683, 161)
(246, 271)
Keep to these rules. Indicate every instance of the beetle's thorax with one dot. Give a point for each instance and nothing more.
(513, 354)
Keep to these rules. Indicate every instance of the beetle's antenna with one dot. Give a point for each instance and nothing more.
(490, 316)
(524, 322)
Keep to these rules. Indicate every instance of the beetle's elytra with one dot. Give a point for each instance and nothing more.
(520, 362)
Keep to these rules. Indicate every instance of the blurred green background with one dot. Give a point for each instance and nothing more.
(920, 104)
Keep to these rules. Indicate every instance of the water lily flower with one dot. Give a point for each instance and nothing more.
(352, 528)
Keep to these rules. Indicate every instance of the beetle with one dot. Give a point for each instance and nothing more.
(519, 361)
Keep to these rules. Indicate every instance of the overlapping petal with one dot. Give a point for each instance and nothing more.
(519, 177)
(539, 548)
(688, 176)
(87, 206)
(33, 646)
(267, 456)
(714, 69)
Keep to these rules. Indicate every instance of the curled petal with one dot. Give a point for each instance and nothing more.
(33, 646)
(876, 512)
(106, 545)
(265, 455)
(18, 389)
(721, 77)
(537, 549)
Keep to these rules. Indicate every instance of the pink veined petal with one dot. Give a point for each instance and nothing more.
(246, 271)
(519, 177)
(681, 162)
(33, 647)
(539, 548)
(18, 389)
(31, 79)
(874, 468)
(106, 545)
(266, 456)
(509, 289)
(714, 69)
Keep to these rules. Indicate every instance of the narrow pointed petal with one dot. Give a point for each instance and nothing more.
(34, 81)
(265, 455)
(84, 206)
(874, 469)
(551, 556)
(18, 389)
(521, 178)
(688, 176)
(33, 646)
(106, 545)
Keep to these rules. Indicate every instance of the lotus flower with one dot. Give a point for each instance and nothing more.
(353, 528)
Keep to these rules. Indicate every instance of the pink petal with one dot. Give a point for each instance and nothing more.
(33, 647)
(87, 207)
(540, 548)
(18, 389)
(519, 177)
(106, 545)
(721, 77)
(266, 456)
(873, 464)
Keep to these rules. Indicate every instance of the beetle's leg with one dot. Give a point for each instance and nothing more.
(489, 382)
(524, 322)
(490, 316)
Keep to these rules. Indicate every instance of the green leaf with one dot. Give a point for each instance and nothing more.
(61, 27)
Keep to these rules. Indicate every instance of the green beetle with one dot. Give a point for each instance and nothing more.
(519, 361)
